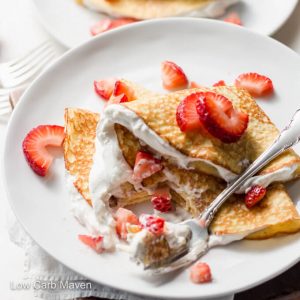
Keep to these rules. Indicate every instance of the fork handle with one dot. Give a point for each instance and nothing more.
(288, 137)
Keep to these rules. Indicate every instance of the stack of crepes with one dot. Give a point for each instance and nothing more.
(100, 153)
(145, 9)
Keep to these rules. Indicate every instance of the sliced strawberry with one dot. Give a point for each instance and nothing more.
(145, 166)
(161, 199)
(35, 146)
(104, 88)
(220, 118)
(93, 242)
(233, 18)
(125, 217)
(153, 224)
(123, 89)
(219, 83)
(108, 24)
(173, 77)
(254, 195)
(200, 273)
(187, 116)
(257, 85)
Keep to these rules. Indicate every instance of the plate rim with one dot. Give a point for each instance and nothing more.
(79, 48)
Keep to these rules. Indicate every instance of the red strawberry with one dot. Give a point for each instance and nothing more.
(219, 83)
(153, 224)
(220, 118)
(187, 116)
(94, 242)
(161, 199)
(173, 77)
(233, 18)
(123, 89)
(105, 87)
(200, 273)
(256, 84)
(108, 24)
(35, 146)
(254, 195)
(145, 166)
(123, 218)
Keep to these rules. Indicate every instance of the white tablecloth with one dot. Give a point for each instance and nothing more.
(19, 32)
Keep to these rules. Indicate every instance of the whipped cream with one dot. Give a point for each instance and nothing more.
(225, 239)
(281, 175)
(86, 216)
(211, 10)
(176, 216)
(177, 237)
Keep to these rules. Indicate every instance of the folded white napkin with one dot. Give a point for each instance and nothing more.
(41, 268)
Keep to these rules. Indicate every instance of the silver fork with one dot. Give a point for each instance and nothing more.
(20, 70)
(198, 245)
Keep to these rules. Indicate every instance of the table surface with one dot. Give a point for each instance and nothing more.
(20, 31)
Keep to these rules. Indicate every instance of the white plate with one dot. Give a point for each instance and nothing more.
(69, 23)
(208, 51)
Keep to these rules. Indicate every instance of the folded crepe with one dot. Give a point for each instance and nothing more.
(145, 9)
(207, 154)
(190, 188)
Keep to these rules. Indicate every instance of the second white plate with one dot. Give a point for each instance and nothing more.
(69, 23)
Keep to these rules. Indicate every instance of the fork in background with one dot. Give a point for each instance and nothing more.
(6, 106)
(18, 71)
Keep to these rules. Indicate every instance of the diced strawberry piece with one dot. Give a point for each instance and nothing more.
(220, 118)
(200, 273)
(257, 85)
(254, 195)
(93, 242)
(173, 77)
(145, 166)
(108, 24)
(161, 199)
(125, 217)
(122, 89)
(153, 224)
(219, 83)
(187, 116)
(104, 88)
(195, 85)
(233, 18)
(35, 146)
